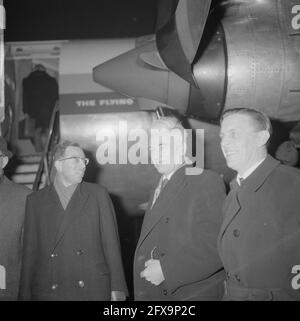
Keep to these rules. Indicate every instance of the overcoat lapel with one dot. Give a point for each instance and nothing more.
(72, 212)
(54, 211)
(161, 207)
(251, 183)
(231, 207)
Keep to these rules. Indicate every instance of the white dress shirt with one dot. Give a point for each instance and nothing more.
(249, 171)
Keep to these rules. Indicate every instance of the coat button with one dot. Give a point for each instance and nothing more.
(53, 255)
(165, 292)
(236, 233)
(237, 278)
(162, 254)
(81, 284)
(54, 286)
(79, 252)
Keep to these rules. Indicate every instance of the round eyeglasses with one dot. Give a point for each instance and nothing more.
(77, 159)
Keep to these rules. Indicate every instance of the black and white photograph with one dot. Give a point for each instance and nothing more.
(149, 153)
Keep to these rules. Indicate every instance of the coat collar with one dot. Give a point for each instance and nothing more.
(253, 182)
(5, 182)
(166, 198)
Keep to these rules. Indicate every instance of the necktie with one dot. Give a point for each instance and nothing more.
(240, 181)
(159, 188)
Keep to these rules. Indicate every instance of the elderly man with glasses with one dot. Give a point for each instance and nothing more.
(71, 243)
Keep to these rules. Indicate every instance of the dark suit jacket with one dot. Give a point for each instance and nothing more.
(72, 254)
(12, 210)
(182, 226)
(259, 242)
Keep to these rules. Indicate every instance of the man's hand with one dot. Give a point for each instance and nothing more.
(118, 296)
(153, 272)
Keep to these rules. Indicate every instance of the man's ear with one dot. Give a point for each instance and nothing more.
(57, 166)
(4, 161)
(263, 137)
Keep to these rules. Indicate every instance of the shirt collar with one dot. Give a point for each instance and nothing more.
(249, 171)
(258, 177)
(168, 176)
(65, 190)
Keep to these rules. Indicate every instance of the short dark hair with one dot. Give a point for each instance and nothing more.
(261, 119)
(59, 149)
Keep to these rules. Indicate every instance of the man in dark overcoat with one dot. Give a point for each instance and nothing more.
(176, 256)
(260, 235)
(12, 210)
(71, 244)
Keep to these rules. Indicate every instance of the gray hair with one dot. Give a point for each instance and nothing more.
(260, 119)
(168, 122)
(171, 123)
(60, 149)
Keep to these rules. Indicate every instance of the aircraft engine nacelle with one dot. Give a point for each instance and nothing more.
(252, 60)
(263, 58)
(248, 56)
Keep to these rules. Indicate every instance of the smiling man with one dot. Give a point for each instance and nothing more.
(260, 235)
(71, 244)
(176, 256)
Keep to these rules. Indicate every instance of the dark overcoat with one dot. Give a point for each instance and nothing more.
(40, 92)
(71, 254)
(259, 242)
(12, 211)
(182, 228)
